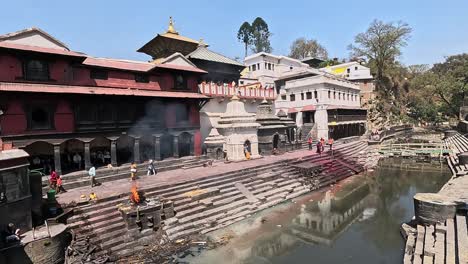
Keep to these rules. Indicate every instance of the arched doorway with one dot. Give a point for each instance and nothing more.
(219, 154)
(185, 142)
(72, 155)
(166, 146)
(99, 149)
(275, 141)
(146, 148)
(125, 146)
(41, 156)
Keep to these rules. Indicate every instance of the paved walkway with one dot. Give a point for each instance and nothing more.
(176, 176)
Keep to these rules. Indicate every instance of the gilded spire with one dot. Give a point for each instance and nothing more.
(171, 28)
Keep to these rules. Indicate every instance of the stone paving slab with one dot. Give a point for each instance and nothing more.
(117, 187)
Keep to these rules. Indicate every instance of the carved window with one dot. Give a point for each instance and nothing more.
(40, 117)
(99, 74)
(36, 70)
(180, 82)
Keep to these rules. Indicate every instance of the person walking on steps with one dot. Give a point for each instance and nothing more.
(133, 171)
(319, 147)
(92, 176)
(151, 168)
(322, 143)
(309, 142)
(59, 187)
(330, 143)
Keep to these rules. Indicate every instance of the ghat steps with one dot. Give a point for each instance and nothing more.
(80, 179)
(270, 183)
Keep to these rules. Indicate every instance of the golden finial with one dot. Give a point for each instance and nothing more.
(171, 27)
(202, 43)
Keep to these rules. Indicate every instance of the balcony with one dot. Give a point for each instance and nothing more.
(249, 91)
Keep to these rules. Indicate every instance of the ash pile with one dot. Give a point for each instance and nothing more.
(82, 251)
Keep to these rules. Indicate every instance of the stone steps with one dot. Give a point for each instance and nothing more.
(107, 228)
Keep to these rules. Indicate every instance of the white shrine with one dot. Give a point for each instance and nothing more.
(239, 130)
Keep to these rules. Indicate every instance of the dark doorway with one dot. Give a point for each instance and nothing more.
(41, 156)
(275, 141)
(166, 146)
(185, 141)
(125, 149)
(247, 147)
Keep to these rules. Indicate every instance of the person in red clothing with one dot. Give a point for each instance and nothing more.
(319, 147)
(59, 187)
(53, 179)
(309, 141)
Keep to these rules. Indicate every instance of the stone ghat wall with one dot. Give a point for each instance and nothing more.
(223, 199)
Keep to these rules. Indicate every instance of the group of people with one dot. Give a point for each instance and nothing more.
(320, 144)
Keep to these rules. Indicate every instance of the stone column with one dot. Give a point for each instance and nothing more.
(157, 147)
(114, 153)
(192, 145)
(321, 119)
(136, 150)
(175, 146)
(57, 163)
(87, 156)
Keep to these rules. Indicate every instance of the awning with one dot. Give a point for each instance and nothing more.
(292, 110)
(71, 89)
(308, 108)
(333, 107)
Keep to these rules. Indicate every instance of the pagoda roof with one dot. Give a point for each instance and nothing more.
(168, 43)
(203, 53)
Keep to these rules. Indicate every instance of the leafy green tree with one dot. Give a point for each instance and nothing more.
(245, 36)
(260, 36)
(302, 48)
(381, 44)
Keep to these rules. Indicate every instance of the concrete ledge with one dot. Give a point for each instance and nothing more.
(432, 208)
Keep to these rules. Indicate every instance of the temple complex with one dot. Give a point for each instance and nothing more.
(70, 111)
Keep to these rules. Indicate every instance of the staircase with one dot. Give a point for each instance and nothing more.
(266, 185)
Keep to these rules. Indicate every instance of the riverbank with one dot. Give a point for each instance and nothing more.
(439, 232)
(353, 221)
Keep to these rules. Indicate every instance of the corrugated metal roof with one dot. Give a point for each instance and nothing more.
(72, 89)
(203, 53)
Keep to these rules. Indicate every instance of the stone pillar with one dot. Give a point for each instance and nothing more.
(321, 118)
(157, 147)
(192, 145)
(114, 153)
(175, 146)
(136, 150)
(432, 208)
(87, 156)
(57, 163)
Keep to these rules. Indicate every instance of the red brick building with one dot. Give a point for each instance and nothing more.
(70, 111)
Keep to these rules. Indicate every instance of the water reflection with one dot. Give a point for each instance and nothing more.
(356, 221)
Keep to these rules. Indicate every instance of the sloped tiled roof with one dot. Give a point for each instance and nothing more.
(203, 53)
(33, 29)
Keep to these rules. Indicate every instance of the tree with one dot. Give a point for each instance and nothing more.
(446, 84)
(302, 48)
(244, 35)
(260, 36)
(381, 44)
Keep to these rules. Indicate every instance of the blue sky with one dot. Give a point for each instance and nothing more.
(118, 28)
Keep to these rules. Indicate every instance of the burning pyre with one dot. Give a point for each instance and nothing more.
(135, 196)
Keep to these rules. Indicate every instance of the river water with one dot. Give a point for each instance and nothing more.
(356, 221)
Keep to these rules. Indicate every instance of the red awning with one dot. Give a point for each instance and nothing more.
(71, 89)
(308, 108)
(292, 110)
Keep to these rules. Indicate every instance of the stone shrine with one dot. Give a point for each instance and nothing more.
(215, 145)
(239, 129)
(271, 134)
(290, 126)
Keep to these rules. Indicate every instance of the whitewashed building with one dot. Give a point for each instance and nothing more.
(355, 72)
